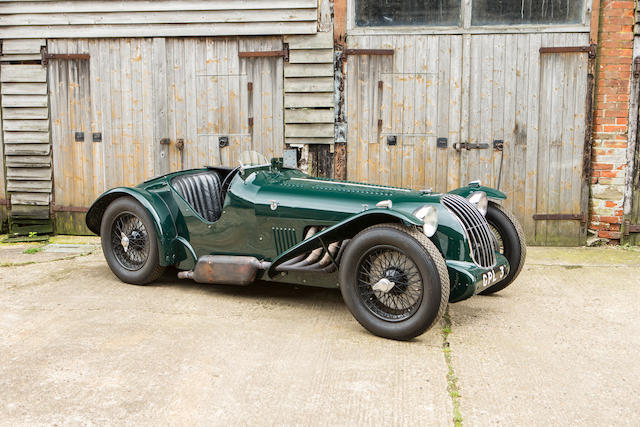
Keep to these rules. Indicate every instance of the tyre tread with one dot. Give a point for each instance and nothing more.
(523, 249)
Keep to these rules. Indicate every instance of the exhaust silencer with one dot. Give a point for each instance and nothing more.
(225, 269)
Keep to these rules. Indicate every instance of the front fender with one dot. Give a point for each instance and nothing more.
(492, 193)
(154, 205)
(345, 229)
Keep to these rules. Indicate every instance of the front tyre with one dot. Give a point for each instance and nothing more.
(129, 242)
(394, 281)
(511, 243)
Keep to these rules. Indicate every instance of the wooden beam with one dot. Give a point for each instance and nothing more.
(595, 22)
(340, 22)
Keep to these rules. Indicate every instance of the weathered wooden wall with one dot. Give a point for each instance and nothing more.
(3, 193)
(25, 128)
(135, 92)
(309, 89)
(160, 18)
(476, 88)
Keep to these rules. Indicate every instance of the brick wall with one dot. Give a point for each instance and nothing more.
(611, 111)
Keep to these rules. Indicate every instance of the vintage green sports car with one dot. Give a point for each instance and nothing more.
(397, 255)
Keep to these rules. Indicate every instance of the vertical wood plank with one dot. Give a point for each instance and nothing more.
(534, 103)
(455, 114)
(160, 128)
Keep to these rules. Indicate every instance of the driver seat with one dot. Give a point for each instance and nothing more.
(202, 192)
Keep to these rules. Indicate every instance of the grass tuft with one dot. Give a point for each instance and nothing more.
(452, 379)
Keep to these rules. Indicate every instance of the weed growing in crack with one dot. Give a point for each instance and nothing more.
(452, 379)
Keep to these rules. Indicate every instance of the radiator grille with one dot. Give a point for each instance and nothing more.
(480, 237)
(284, 237)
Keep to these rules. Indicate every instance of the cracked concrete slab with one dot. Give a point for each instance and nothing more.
(69, 248)
(79, 347)
(559, 347)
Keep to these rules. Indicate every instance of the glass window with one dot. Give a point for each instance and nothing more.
(514, 12)
(376, 13)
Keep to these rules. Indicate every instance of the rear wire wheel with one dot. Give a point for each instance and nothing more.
(129, 242)
(394, 281)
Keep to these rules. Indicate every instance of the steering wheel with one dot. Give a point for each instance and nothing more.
(226, 182)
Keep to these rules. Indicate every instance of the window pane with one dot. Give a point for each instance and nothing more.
(492, 12)
(407, 12)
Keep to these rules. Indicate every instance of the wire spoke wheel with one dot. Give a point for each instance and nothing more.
(499, 245)
(389, 283)
(130, 241)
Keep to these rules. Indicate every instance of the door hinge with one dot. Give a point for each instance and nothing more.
(560, 217)
(590, 50)
(377, 52)
(48, 56)
(284, 53)
(630, 228)
(636, 67)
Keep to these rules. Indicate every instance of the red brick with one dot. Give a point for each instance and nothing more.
(616, 144)
(602, 166)
(609, 204)
(613, 128)
(620, 36)
(609, 174)
(610, 219)
(622, 121)
(609, 234)
(619, 5)
(615, 227)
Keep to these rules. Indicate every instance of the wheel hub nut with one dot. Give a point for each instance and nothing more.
(124, 241)
(383, 285)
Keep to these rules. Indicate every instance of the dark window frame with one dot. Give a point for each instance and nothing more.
(466, 26)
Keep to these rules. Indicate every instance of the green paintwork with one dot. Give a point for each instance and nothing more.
(466, 277)
(492, 193)
(248, 223)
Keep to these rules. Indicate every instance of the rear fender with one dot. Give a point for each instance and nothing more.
(492, 193)
(154, 205)
(344, 230)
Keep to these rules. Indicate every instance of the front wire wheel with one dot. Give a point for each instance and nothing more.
(394, 281)
(389, 283)
(510, 242)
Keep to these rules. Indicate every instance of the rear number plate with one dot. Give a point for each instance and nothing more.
(493, 276)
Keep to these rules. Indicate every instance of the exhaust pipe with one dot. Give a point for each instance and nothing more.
(225, 269)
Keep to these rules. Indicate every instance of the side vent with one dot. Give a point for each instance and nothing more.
(284, 237)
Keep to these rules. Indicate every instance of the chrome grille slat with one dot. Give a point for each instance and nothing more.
(476, 227)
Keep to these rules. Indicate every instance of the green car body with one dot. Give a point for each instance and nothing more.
(268, 208)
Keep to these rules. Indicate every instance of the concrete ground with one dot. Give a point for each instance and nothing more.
(77, 346)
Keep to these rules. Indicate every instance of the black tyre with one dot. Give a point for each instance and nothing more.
(511, 243)
(129, 242)
(394, 281)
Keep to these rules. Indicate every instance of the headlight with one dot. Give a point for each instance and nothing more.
(429, 215)
(479, 198)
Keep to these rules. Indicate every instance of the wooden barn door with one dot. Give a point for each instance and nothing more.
(444, 110)
(217, 103)
(132, 109)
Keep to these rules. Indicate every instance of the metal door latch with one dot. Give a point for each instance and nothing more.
(468, 146)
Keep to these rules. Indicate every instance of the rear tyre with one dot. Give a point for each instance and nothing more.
(129, 242)
(511, 243)
(394, 281)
